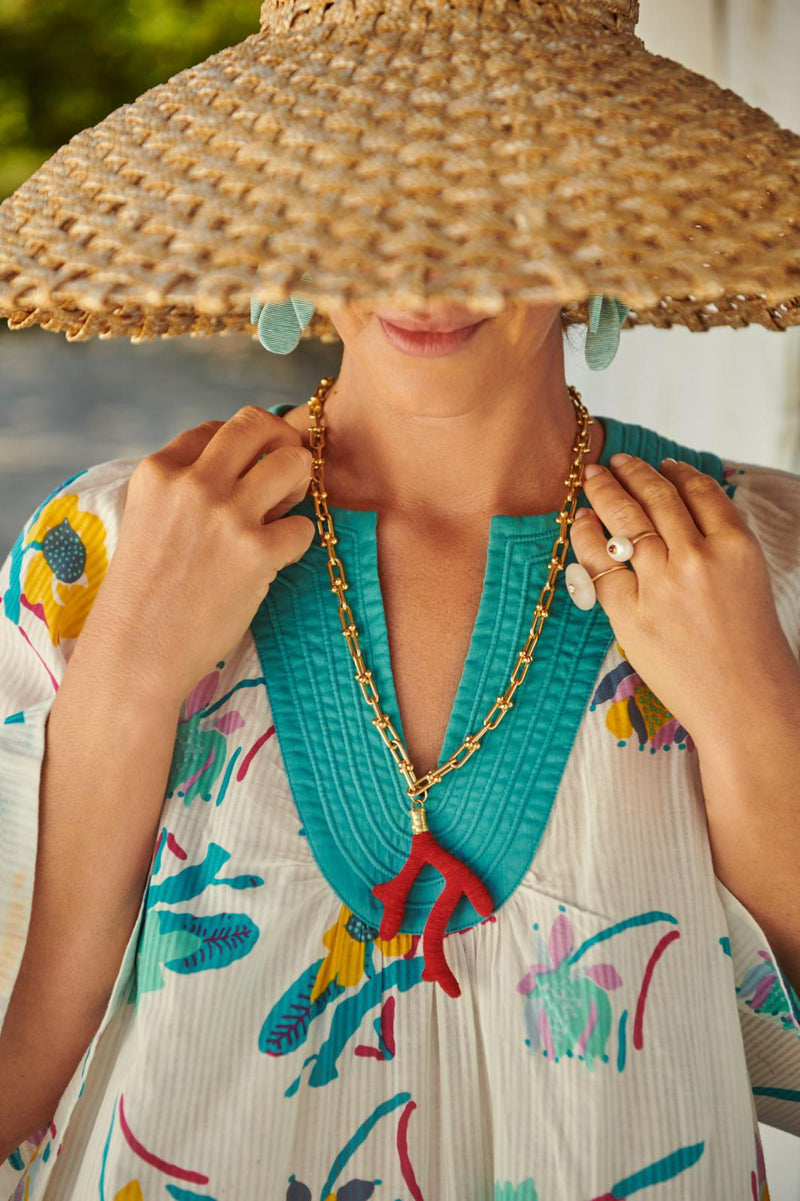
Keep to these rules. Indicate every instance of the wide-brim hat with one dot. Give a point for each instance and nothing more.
(412, 151)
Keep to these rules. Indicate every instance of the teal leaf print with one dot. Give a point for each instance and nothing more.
(184, 1194)
(760, 990)
(191, 881)
(567, 1009)
(656, 1173)
(201, 761)
(286, 1026)
(523, 1192)
(349, 1015)
(668, 1168)
(157, 948)
(198, 760)
(183, 942)
(217, 940)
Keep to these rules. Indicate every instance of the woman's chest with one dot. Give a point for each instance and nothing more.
(431, 595)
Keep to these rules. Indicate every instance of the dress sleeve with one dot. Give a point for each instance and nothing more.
(48, 583)
(769, 1007)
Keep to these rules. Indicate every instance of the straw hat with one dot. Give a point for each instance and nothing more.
(414, 150)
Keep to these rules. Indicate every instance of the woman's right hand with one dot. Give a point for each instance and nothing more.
(202, 537)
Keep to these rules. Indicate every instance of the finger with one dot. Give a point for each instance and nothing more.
(243, 439)
(659, 502)
(711, 508)
(589, 543)
(185, 447)
(289, 501)
(623, 517)
(284, 535)
(278, 480)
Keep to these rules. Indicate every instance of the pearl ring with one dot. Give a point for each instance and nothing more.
(580, 585)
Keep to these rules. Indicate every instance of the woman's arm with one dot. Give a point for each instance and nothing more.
(710, 618)
(205, 530)
(751, 787)
(109, 745)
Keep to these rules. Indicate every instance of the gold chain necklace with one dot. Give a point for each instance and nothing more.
(424, 847)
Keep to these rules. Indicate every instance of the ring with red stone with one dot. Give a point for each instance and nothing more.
(621, 548)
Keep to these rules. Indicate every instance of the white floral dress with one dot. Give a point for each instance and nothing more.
(622, 1023)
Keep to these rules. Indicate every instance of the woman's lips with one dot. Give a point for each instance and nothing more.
(428, 343)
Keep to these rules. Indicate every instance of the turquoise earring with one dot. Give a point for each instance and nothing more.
(280, 325)
(606, 315)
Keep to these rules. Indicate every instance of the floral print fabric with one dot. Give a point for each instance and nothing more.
(623, 1022)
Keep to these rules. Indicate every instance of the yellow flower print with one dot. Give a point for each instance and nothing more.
(349, 942)
(636, 711)
(132, 1191)
(65, 573)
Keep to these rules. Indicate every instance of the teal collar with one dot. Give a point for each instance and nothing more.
(349, 794)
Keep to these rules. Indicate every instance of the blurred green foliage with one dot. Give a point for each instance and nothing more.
(64, 65)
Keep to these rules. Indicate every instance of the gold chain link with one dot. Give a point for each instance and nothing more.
(418, 788)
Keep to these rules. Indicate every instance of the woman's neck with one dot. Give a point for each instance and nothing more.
(504, 452)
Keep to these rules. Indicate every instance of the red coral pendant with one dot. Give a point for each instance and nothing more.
(458, 879)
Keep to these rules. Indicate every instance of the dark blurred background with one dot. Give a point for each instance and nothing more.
(65, 66)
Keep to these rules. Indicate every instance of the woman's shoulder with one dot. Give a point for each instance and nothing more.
(770, 494)
(768, 498)
(108, 478)
(101, 487)
(51, 575)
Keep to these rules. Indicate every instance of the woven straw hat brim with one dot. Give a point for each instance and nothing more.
(432, 152)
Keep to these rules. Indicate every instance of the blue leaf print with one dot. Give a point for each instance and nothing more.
(286, 1025)
(191, 881)
(221, 938)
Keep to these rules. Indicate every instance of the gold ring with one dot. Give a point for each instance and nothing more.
(621, 567)
(633, 541)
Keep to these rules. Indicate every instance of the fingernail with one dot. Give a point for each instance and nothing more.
(592, 469)
(618, 459)
(583, 512)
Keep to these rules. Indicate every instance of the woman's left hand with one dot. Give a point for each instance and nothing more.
(696, 616)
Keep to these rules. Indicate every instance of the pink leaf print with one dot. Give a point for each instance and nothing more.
(591, 1022)
(229, 722)
(37, 609)
(545, 1035)
(528, 982)
(200, 696)
(604, 974)
(627, 687)
(560, 939)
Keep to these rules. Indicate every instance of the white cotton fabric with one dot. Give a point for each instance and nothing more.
(444, 1100)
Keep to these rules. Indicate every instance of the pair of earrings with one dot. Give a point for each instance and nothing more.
(281, 325)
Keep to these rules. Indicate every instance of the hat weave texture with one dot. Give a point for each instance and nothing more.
(414, 151)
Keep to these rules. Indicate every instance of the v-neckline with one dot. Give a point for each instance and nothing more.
(362, 525)
(348, 791)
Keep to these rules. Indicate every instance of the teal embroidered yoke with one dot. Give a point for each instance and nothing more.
(493, 812)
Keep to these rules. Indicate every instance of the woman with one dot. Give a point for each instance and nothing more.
(309, 1041)
(548, 964)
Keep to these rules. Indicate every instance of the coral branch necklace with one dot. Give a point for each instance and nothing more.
(459, 879)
